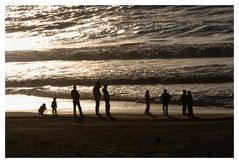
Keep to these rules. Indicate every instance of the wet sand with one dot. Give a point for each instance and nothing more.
(122, 135)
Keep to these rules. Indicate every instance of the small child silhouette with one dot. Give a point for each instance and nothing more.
(54, 106)
(42, 109)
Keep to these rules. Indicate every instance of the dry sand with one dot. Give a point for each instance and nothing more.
(122, 135)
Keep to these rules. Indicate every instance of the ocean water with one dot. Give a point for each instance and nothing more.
(131, 48)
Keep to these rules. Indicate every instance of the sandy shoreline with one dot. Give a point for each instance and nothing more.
(122, 135)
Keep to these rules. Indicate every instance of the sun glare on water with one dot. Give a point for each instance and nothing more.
(27, 43)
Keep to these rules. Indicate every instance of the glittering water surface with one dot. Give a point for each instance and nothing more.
(45, 27)
(131, 48)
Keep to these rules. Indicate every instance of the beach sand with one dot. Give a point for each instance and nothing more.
(122, 135)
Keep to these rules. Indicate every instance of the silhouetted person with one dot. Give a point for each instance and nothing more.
(76, 100)
(147, 101)
(190, 103)
(184, 101)
(42, 109)
(107, 99)
(165, 100)
(54, 106)
(96, 93)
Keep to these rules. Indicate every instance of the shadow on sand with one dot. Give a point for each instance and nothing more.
(108, 117)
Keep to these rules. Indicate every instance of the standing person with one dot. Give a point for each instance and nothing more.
(184, 101)
(165, 100)
(54, 106)
(96, 93)
(106, 99)
(76, 100)
(190, 103)
(42, 109)
(147, 101)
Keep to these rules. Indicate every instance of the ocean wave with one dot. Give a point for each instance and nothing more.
(130, 51)
(81, 26)
(142, 81)
(138, 71)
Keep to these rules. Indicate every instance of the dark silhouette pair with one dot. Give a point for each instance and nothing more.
(187, 101)
(53, 105)
(97, 95)
(165, 98)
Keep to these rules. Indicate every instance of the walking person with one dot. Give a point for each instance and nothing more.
(165, 97)
(75, 95)
(190, 103)
(147, 101)
(96, 93)
(54, 106)
(106, 99)
(184, 101)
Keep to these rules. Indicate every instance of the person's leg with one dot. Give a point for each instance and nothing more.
(163, 109)
(74, 105)
(166, 109)
(147, 109)
(55, 111)
(80, 110)
(189, 110)
(107, 108)
(184, 109)
(97, 105)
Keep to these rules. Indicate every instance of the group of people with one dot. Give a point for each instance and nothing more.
(186, 100)
(97, 95)
(53, 106)
(75, 95)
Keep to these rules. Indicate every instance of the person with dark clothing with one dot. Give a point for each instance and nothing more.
(190, 103)
(165, 97)
(54, 106)
(184, 101)
(147, 101)
(96, 93)
(106, 99)
(42, 109)
(75, 95)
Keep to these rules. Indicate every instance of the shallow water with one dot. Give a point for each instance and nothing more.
(32, 104)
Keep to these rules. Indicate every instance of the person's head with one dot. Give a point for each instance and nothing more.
(184, 91)
(147, 92)
(54, 99)
(165, 90)
(189, 92)
(43, 104)
(105, 86)
(74, 86)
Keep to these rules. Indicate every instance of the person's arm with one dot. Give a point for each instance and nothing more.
(71, 94)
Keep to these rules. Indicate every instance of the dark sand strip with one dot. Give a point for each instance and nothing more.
(122, 135)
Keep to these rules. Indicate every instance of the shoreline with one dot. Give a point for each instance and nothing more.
(31, 104)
